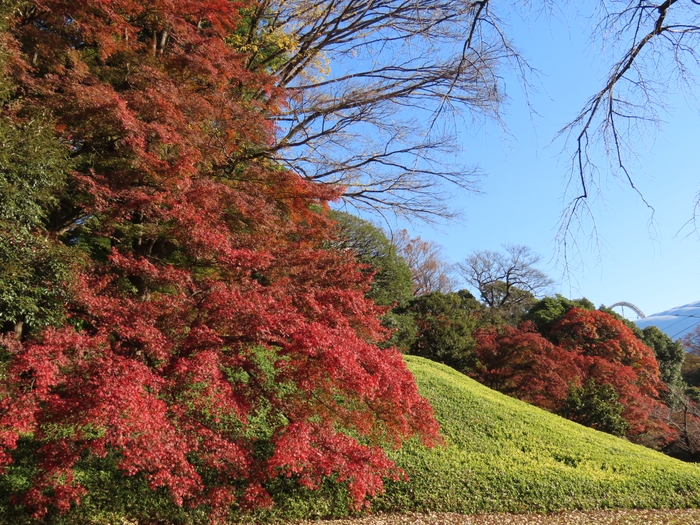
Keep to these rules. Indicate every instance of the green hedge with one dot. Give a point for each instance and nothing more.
(503, 455)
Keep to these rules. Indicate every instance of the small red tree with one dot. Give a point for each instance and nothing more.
(521, 363)
(210, 318)
(597, 360)
(608, 352)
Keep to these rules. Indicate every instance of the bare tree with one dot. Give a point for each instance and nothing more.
(682, 416)
(373, 123)
(658, 42)
(429, 270)
(505, 280)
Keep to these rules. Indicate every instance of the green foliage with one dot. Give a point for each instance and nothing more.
(112, 496)
(546, 312)
(670, 354)
(34, 280)
(33, 171)
(445, 323)
(392, 280)
(512, 310)
(34, 266)
(404, 328)
(503, 455)
(392, 276)
(596, 406)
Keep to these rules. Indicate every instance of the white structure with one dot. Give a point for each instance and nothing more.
(624, 304)
(676, 322)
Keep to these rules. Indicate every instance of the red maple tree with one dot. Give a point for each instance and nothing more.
(609, 353)
(210, 316)
(521, 363)
(585, 347)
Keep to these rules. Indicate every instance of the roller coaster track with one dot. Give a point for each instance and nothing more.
(625, 304)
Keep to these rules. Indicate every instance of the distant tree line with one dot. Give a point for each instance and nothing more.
(589, 365)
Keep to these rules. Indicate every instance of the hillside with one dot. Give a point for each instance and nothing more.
(503, 455)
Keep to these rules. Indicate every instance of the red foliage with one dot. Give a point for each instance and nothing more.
(591, 345)
(522, 363)
(593, 333)
(217, 304)
(609, 352)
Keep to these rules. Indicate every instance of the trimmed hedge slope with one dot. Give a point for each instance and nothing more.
(503, 455)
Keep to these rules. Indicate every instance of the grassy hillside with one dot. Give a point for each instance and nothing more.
(503, 455)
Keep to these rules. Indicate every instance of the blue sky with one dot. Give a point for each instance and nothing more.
(656, 265)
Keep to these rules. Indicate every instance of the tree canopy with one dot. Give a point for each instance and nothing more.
(205, 342)
(669, 354)
(506, 282)
(391, 279)
(546, 312)
(35, 269)
(587, 366)
(445, 323)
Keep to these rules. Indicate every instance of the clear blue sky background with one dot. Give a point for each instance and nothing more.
(654, 266)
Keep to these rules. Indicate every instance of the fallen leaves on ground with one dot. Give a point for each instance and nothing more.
(618, 517)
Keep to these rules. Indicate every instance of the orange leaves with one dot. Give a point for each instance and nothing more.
(594, 333)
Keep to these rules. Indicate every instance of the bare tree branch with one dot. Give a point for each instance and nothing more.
(659, 42)
(369, 124)
(429, 270)
(499, 277)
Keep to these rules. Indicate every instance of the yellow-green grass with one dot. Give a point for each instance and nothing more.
(503, 455)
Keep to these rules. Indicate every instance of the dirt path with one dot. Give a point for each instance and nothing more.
(632, 517)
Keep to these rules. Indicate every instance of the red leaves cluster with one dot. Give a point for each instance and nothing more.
(590, 345)
(219, 319)
(609, 352)
(521, 363)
